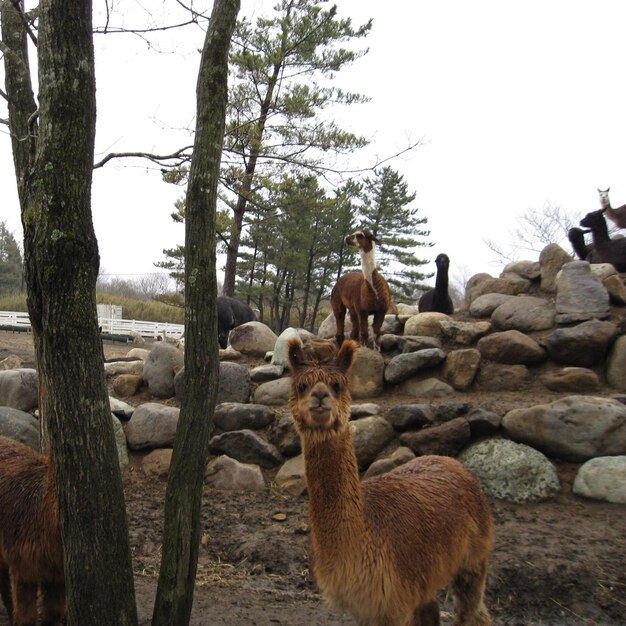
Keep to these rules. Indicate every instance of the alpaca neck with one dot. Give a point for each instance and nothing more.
(600, 233)
(441, 282)
(605, 203)
(335, 497)
(368, 266)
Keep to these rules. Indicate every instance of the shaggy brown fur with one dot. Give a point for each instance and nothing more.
(605, 249)
(31, 554)
(362, 293)
(382, 549)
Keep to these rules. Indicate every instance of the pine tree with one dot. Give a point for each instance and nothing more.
(11, 265)
(387, 212)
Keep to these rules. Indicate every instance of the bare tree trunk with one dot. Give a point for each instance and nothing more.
(191, 446)
(61, 266)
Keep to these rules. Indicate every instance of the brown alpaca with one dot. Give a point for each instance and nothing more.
(383, 548)
(31, 554)
(618, 215)
(362, 293)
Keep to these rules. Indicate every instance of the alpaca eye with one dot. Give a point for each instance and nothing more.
(301, 388)
(336, 388)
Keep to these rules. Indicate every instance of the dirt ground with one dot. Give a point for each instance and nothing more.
(557, 563)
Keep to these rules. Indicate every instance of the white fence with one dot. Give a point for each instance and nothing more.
(10, 320)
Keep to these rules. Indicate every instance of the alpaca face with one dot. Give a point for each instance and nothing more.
(363, 239)
(604, 198)
(442, 261)
(595, 218)
(320, 394)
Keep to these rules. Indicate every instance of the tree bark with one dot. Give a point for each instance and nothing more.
(191, 446)
(61, 266)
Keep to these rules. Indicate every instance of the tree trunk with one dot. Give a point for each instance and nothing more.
(191, 446)
(61, 267)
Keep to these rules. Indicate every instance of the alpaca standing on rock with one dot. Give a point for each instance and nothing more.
(31, 553)
(576, 237)
(362, 293)
(438, 299)
(382, 549)
(617, 216)
(605, 249)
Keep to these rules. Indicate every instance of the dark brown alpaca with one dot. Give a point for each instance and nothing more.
(362, 293)
(605, 249)
(383, 548)
(31, 554)
(438, 299)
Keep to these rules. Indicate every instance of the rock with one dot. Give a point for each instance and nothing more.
(229, 354)
(583, 345)
(574, 428)
(616, 289)
(406, 416)
(485, 305)
(448, 411)
(507, 284)
(246, 446)
(572, 379)
(19, 389)
(363, 410)
(425, 324)
(404, 366)
(127, 385)
(502, 377)
(253, 339)
(273, 393)
(580, 295)
(230, 475)
(237, 416)
(392, 325)
(483, 422)
(525, 313)
(616, 365)
(159, 369)
(20, 426)
(366, 376)
(407, 310)
(447, 439)
(280, 358)
(120, 409)
(152, 425)
(120, 441)
(531, 270)
(551, 260)
(234, 383)
(138, 353)
(603, 270)
(511, 471)
(464, 333)
(602, 478)
(157, 462)
(290, 477)
(401, 456)
(512, 347)
(414, 343)
(263, 373)
(117, 368)
(370, 436)
(284, 436)
(461, 367)
(428, 388)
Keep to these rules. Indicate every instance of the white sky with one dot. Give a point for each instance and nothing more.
(519, 105)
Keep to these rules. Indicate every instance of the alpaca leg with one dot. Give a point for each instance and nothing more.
(24, 596)
(54, 608)
(354, 320)
(427, 614)
(340, 318)
(5, 590)
(379, 318)
(363, 334)
(468, 587)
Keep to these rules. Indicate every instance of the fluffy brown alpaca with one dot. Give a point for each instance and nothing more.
(31, 554)
(383, 548)
(362, 293)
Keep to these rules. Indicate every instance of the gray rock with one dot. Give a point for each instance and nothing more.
(404, 366)
(363, 410)
(414, 343)
(230, 475)
(120, 441)
(392, 325)
(263, 373)
(428, 388)
(159, 369)
(370, 436)
(483, 422)
(502, 377)
(152, 425)
(290, 478)
(425, 324)
(616, 365)
(512, 347)
(448, 411)
(575, 428)
(238, 416)
(551, 260)
(273, 392)
(447, 439)
(19, 389)
(461, 367)
(246, 446)
(464, 333)
(405, 416)
(366, 377)
(511, 471)
(280, 357)
(572, 379)
(253, 339)
(132, 368)
(524, 313)
(120, 409)
(531, 270)
(234, 383)
(485, 305)
(285, 437)
(508, 284)
(20, 426)
(400, 456)
(602, 478)
(583, 345)
(579, 294)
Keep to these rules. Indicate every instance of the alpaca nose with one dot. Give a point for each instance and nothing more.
(319, 396)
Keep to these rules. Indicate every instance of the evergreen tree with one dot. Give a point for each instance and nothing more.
(11, 265)
(387, 212)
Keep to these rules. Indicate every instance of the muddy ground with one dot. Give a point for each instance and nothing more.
(555, 563)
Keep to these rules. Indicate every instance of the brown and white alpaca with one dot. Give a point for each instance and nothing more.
(617, 216)
(31, 553)
(362, 293)
(383, 548)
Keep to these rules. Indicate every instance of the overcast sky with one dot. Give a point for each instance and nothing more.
(518, 105)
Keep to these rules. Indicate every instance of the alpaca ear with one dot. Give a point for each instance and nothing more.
(295, 354)
(346, 354)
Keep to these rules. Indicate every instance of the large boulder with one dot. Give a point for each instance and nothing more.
(524, 313)
(602, 478)
(616, 365)
(404, 366)
(446, 439)
(246, 446)
(253, 339)
(512, 347)
(19, 389)
(366, 376)
(231, 475)
(234, 383)
(580, 295)
(370, 436)
(238, 416)
(583, 345)
(20, 426)
(152, 425)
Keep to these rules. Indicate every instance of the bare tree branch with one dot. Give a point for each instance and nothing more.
(155, 158)
(17, 5)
